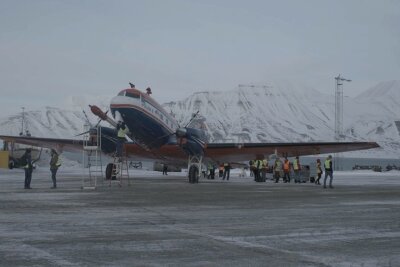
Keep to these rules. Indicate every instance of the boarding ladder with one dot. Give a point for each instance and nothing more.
(92, 158)
(120, 171)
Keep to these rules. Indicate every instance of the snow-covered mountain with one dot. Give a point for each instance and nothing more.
(284, 113)
(47, 122)
(276, 113)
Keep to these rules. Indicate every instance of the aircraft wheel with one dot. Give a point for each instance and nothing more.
(11, 164)
(193, 174)
(109, 169)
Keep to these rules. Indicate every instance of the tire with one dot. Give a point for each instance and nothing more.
(193, 174)
(11, 164)
(109, 169)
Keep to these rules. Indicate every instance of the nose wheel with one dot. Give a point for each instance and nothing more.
(194, 167)
(193, 175)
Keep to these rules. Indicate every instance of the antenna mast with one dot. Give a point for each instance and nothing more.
(339, 134)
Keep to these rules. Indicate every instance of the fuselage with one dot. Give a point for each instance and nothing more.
(148, 122)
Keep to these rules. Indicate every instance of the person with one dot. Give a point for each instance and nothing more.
(165, 169)
(26, 162)
(55, 163)
(122, 131)
(264, 170)
(277, 169)
(296, 169)
(319, 171)
(286, 171)
(256, 169)
(220, 170)
(227, 170)
(251, 166)
(328, 171)
(211, 171)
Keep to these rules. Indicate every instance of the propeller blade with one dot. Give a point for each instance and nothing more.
(87, 119)
(193, 116)
(83, 133)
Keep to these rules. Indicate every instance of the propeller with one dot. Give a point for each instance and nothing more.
(90, 124)
(180, 132)
(194, 115)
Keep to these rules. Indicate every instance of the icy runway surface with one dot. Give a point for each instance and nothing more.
(165, 221)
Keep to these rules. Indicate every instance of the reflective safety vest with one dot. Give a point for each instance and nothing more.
(265, 164)
(58, 164)
(253, 162)
(122, 132)
(259, 164)
(286, 166)
(328, 165)
(296, 165)
(278, 165)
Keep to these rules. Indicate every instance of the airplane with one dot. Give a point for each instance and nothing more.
(156, 135)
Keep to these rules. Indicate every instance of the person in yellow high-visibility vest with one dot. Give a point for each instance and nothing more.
(264, 170)
(55, 163)
(121, 134)
(296, 169)
(328, 171)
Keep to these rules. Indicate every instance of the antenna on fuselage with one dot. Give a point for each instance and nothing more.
(132, 85)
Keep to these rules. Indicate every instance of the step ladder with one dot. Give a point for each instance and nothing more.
(92, 159)
(120, 171)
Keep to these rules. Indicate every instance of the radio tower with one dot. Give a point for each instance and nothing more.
(339, 135)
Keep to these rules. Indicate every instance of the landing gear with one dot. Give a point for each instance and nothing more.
(109, 174)
(194, 167)
(11, 164)
(193, 175)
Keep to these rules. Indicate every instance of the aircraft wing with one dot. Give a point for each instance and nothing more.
(222, 152)
(170, 153)
(230, 152)
(72, 145)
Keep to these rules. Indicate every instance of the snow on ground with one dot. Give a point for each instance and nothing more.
(356, 177)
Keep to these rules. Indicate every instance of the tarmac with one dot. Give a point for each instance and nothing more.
(165, 221)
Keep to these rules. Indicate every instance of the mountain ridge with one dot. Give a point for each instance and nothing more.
(274, 113)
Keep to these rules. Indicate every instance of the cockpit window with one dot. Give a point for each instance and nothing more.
(132, 95)
(122, 93)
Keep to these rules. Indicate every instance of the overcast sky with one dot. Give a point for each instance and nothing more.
(52, 49)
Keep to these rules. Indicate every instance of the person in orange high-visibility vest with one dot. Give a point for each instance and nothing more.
(296, 169)
(286, 171)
